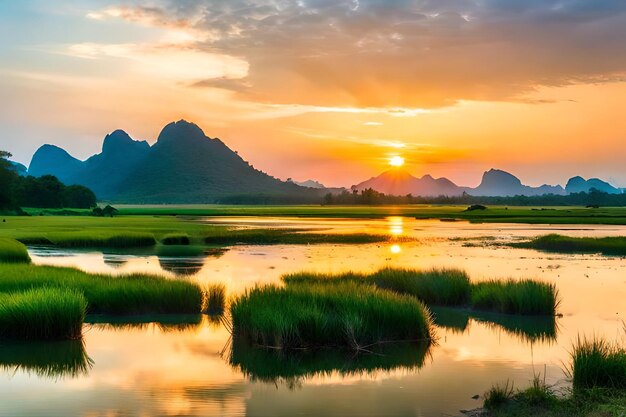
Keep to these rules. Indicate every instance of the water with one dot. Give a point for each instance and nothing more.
(148, 369)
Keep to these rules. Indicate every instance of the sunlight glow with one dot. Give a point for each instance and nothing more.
(395, 249)
(396, 161)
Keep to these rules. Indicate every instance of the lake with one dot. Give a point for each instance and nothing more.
(163, 366)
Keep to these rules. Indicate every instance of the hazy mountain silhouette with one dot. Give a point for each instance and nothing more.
(52, 160)
(183, 166)
(308, 183)
(494, 183)
(120, 155)
(19, 168)
(400, 182)
(580, 185)
(500, 183)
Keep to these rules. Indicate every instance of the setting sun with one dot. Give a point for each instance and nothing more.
(396, 161)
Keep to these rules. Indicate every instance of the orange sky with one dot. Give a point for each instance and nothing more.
(329, 90)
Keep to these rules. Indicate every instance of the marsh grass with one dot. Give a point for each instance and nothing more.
(52, 359)
(449, 287)
(229, 236)
(498, 395)
(215, 303)
(12, 251)
(127, 294)
(525, 297)
(294, 367)
(89, 239)
(615, 245)
(597, 363)
(42, 314)
(345, 315)
(176, 239)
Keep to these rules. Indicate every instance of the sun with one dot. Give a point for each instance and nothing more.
(396, 161)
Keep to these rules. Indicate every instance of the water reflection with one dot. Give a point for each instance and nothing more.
(396, 225)
(162, 322)
(527, 328)
(46, 359)
(294, 368)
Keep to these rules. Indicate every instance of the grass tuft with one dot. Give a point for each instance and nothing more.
(597, 363)
(13, 251)
(525, 297)
(176, 239)
(215, 299)
(614, 245)
(106, 294)
(346, 315)
(498, 395)
(51, 359)
(42, 314)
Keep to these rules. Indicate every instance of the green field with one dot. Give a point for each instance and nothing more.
(494, 214)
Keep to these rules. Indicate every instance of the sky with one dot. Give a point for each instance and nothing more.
(328, 90)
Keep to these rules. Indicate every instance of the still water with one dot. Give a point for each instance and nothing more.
(161, 367)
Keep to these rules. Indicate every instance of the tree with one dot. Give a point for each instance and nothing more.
(8, 180)
(78, 196)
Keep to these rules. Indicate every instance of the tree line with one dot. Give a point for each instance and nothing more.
(40, 192)
(372, 197)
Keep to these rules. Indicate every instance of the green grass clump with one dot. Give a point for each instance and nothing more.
(444, 287)
(615, 245)
(215, 299)
(498, 395)
(176, 239)
(13, 251)
(526, 297)
(106, 294)
(48, 359)
(42, 314)
(346, 315)
(597, 363)
(101, 240)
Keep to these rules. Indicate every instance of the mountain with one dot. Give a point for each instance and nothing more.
(308, 183)
(580, 185)
(104, 172)
(183, 166)
(496, 182)
(186, 166)
(400, 182)
(50, 159)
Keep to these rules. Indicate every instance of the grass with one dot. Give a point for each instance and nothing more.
(52, 359)
(557, 243)
(164, 322)
(176, 239)
(597, 363)
(499, 395)
(450, 287)
(598, 372)
(42, 314)
(346, 315)
(526, 297)
(493, 214)
(215, 303)
(13, 251)
(170, 231)
(106, 294)
(293, 367)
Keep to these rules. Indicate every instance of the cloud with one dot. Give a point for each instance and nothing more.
(399, 53)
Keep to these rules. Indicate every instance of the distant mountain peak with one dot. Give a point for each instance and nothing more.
(120, 141)
(181, 130)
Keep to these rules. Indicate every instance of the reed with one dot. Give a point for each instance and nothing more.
(525, 297)
(12, 251)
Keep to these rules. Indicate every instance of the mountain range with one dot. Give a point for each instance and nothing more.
(186, 166)
(494, 182)
(183, 166)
